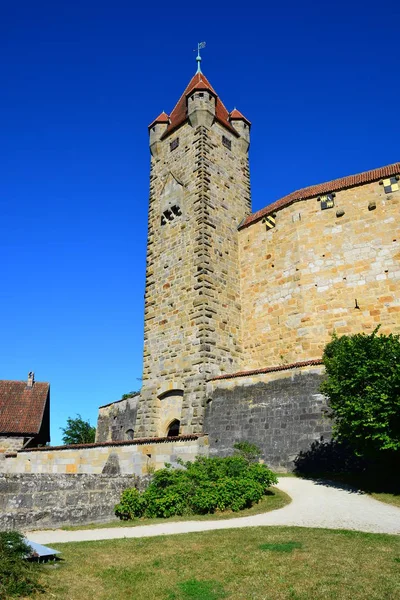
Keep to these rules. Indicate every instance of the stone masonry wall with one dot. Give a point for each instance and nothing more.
(120, 458)
(45, 501)
(11, 443)
(282, 413)
(192, 299)
(116, 421)
(317, 272)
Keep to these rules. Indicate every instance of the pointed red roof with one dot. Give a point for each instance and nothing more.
(237, 115)
(163, 118)
(179, 114)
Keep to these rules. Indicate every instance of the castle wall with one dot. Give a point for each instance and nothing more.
(116, 421)
(121, 458)
(281, 412)
(192, 299)
(301, 280)
(46, 501)
(10, 443)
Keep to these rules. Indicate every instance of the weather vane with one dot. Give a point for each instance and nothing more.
(200, 46)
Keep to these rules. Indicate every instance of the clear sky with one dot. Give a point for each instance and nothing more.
(81, 81)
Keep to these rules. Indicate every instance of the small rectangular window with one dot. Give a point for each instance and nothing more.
(174, 144)
(226, 142)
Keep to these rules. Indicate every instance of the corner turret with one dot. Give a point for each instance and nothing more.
(201, 103)
(242, 126)
(156, 130)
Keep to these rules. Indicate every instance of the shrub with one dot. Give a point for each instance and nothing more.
(203, 486)
(18, 577)
(363, 390)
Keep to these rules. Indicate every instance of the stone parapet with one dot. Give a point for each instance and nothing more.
(115, 458)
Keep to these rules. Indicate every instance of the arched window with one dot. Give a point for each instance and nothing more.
(173, 429)
(129, 434)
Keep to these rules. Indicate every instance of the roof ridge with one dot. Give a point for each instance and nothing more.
(325, 187)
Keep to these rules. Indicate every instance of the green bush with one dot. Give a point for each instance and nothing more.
(18, 577)
(363, 390)
(200, 487)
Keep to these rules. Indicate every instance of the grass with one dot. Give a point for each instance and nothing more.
(393, 499)
(274, 499)
(239, 564)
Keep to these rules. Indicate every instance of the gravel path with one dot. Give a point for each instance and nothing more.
(313, 505)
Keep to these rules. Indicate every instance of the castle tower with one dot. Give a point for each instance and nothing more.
(199, 194)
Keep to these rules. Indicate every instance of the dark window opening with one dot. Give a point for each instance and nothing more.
(226, 142)
(174, 144)
(173, 429)
(201, 95)
(170, 214)
(129, 434)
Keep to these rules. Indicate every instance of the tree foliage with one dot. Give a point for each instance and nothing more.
(363, 390)
(203, 486)
(78, 431)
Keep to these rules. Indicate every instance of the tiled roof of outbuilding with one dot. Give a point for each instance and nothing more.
(324, 188)
(179, 114)
(21, 407)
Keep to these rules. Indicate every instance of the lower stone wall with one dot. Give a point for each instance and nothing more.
(48, 501)
(139, 457)
(281, 412)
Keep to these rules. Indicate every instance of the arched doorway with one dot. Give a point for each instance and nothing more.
(173, 429)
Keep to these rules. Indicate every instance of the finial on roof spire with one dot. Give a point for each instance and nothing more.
(200, 45)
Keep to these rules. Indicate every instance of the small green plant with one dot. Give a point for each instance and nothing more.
(18, 577)
(250, 452)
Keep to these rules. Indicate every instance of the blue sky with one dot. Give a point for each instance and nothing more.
(81, 82)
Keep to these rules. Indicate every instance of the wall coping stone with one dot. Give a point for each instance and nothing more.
(296, 365)
(137, 442)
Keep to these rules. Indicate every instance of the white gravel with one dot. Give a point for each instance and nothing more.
(313, 505)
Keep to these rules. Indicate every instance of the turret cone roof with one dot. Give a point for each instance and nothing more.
(179, 114)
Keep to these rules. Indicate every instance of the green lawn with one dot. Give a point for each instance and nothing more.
(274, 499)
(239, 564)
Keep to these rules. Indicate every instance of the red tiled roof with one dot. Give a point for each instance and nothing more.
(137, 442)
(324, 188)
(179, 114)
(163, 118)
(236, 114)
(22, 408)
(304, 363)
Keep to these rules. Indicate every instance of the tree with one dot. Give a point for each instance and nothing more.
(363, 390)
(78, 431)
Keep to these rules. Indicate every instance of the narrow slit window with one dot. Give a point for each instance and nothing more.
(226, 142)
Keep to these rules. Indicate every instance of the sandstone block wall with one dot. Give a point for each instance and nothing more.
(316, 272)
(128, 458)
(31, 501)
(192, 299)
(282, 413)
(8, 443)
(116, 421)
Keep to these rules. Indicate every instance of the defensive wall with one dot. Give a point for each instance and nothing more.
(318, 271)
(279, 409)
(68, 485)
(36, 501)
